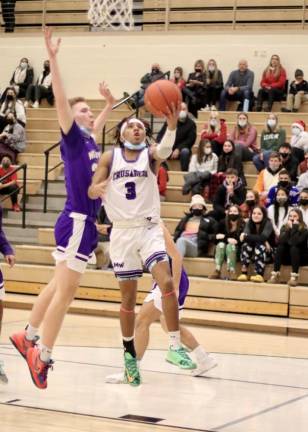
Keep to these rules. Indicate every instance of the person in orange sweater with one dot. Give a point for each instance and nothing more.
(268, 177)
(272, 84)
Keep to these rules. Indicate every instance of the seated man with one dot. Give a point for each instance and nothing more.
(41, 90)
(239, 88)
(232, 191)
(288, 161)
(12, 139)
(9, 185)
(268, 177)
(185, 138)
(284, 180)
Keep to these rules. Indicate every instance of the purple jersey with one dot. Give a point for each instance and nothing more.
(80, 155)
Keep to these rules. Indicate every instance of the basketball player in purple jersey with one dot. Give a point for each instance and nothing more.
(75, 230)
(151, 311)
(132, 203)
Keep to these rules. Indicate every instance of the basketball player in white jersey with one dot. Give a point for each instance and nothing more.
(127, 178)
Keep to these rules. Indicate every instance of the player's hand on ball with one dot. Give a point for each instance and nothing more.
(172, 116)
(106, 93)
(52, 47)
(10, 260)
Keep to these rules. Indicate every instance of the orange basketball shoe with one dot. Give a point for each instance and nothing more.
(21, 343)
(38, 368)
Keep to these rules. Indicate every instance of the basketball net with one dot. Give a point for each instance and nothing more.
(116, 14)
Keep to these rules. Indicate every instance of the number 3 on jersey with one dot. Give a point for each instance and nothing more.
(130, 190)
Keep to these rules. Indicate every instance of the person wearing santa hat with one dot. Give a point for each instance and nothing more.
(299, 139)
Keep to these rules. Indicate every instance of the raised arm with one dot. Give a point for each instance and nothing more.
(164, 149)
(64, 112)
(99, 180)
(101, 119)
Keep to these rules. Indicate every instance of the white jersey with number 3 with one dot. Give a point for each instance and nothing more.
(132, 191)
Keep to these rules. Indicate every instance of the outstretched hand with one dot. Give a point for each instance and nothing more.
(106, 93)
(52, 47)
(172, 116)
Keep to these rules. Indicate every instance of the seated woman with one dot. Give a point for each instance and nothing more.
(271, 139)
(196, 230)
(12, 139)
(9, 186)
(279, 210)
(202, 166)
(292, 247)
(244, 136)
(41, 90)
(272, 84)
(215, 131)
(178, 78)
(228, 242)
(214, 83)
(194, 92)
(252, 199)
(229, 159)
(22, 77)
(257, 244)
(303, 204)
(11, 105)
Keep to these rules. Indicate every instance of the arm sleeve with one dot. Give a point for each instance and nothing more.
(221, 138)
(252, 139)
(259, 186)
(250, 80)
(215, 164)
(192, 164)
(229, 81)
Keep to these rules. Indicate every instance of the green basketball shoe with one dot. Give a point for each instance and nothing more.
(180, 358)
(131, 372)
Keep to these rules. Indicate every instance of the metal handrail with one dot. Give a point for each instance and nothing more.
(23, 187)
(47, 171)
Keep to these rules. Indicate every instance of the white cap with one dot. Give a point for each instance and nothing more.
(197, 200)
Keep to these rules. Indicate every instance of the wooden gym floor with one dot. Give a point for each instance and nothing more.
(260, 384)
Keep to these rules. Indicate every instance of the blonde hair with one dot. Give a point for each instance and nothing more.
(277, 70)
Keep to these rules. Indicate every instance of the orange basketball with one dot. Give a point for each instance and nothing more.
(160, 95)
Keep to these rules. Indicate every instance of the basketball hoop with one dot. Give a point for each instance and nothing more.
(116, 14)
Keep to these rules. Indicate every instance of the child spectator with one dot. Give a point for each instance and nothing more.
(257, 241)
(9, 185)
(268, 177)
(214, 84)
(215, 131)
(303, 204)
(201, 167)
(272, 84)
(299, 140)
(244, 136)
(178, 78)
(271, 139)
(194, 91)
(229, 159)
(12, 139)
(41, 90)
(252, 200)
(11, 105)
(284, 181)
(230, 192)
(278, 211)
(291, 248)
(228, 242)
(22, 77)
(298, 92)
(196, 230)
(162, 180)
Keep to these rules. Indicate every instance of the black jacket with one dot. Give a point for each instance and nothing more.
(206, 234)
(266, 235)
(222, 201)
(294, 236)
(185, 134)
(223, 229)
(294, 88)
(291, 166)
(230, 160)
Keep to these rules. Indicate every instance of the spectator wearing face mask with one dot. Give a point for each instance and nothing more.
(229, 159)
(288, 161)
(196, 230)
(215, 130)
(214, 84)
(41, 90)
(22, 77)
(244, 136)
(268, 177)
(271, 139)
(284, 181)
(202, 166)
(232, 191)
(185, 138)
(178, 78)
(303, 204)
(11, 105)
(252, 199)
(194, 92)
(9, 186)
(228, 242)
(279, 210)
(298, 93)
(299, 140)
(12, 139)
(292, 248)
(257, 240)
(239, 88)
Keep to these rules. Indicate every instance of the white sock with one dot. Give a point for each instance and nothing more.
(174, 339)
(31, 332)
(45, 355)
(200, 353)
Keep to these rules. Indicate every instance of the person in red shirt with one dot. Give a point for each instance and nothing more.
(9, 185)
(178, 78)
(215, 131)
(162, 180)
(272, 84)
